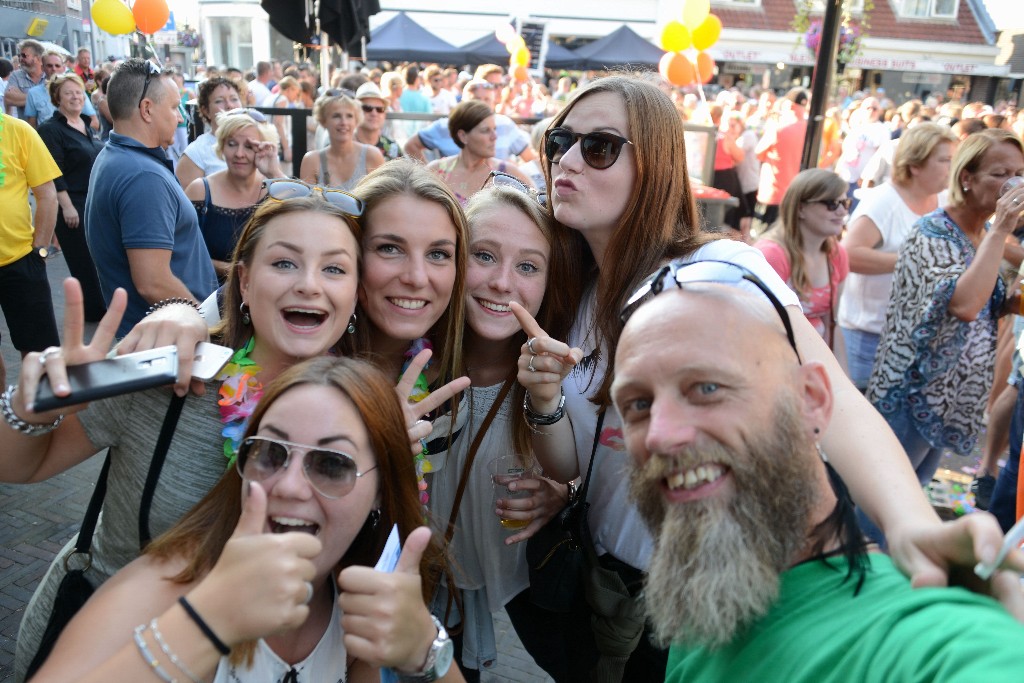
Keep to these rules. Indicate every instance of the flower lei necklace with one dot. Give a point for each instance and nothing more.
(240, 391)
(420, 390)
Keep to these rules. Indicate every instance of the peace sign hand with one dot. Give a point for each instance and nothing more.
(419, 429)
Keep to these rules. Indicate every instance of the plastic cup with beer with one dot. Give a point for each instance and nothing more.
(504, 470)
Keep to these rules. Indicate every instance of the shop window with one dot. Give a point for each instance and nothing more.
(737, 3)
(929, 9)
(852, 5)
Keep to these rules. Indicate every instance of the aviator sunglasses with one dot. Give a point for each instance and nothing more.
(151, 70)
(367, 108)
(681, 273)
(599, 150)
(499, 179)
(283, 189)
(332, 473)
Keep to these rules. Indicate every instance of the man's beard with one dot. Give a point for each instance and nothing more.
(716, 564)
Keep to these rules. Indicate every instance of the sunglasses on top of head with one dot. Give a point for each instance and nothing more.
(599, 150)
(499, 179)
(283, 189)
(331, 473)
(151, 70)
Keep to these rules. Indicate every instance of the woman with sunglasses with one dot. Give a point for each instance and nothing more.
(344, 162)
(473, 128)
(200, 159)
(509, 250)
(269, 576)
(290, 296)
(933, 370)
(803, 248)
(226, 199)
(623, 208)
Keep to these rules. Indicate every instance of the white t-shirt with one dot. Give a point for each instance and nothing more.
(865, 298)
(615, 524)
(258, 91)
(201, 153)
(858, 147)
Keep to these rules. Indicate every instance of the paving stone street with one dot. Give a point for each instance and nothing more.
(36, 520)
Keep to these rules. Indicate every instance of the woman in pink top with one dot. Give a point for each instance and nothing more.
(803, 248)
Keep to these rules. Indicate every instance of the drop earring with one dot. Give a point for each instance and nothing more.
(375, 518)
(243, 308)
(352, 324)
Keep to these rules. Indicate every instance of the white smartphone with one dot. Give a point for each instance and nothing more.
(209, 359)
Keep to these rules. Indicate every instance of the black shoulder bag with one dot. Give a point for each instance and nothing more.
(75, 590)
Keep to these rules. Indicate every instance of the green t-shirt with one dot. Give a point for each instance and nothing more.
(819, 631)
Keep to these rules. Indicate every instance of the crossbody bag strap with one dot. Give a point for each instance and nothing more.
(471, 456)
(593, 456)
(163, 443)
(586, 542)
(92, 512)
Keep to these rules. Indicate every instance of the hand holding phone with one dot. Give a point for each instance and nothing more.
(111, 377)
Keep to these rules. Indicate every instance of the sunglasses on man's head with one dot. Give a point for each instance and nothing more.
(499, 179)
(332, 474)
(283, 189)
(367, 108)
(833, 204)
(599, 150)
(151, 70)
(682, 273)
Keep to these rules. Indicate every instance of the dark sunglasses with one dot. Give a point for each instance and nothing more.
(332, 474)
(599, 150)
(499, 179)
(833, 204)
(370, 108)
(151, 70)
(253, 114)
(681, 273)
(283, 189)
(25, 56)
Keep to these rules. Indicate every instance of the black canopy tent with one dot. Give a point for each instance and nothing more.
(488, 49)
(621, 46)
(346, 22)
(401, 39)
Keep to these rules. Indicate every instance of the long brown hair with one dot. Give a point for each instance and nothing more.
(200, 536)
(812, 185)
(659, 222)
(405, 176)
(231, 330)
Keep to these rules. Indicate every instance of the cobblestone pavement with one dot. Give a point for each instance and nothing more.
(37, 520)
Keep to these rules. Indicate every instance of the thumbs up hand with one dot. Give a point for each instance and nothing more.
(385, 620)
(259, 585)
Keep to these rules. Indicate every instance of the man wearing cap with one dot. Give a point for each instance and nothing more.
(370, 130)
(759, 572)
(512, 141)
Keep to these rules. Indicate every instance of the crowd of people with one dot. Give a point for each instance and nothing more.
(750, 420)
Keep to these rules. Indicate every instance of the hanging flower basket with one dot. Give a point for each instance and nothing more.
(849, 40)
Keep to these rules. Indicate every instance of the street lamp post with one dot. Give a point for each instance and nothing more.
(820, 81)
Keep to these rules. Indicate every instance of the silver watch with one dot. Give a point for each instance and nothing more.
(439, 658)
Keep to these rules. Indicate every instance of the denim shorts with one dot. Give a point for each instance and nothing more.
(860, 355)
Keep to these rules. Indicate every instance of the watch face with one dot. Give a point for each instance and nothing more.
(42, 251)
(444, 658)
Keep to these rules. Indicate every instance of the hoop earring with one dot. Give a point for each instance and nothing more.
(375, 518)
(243, 308)
(352, 324)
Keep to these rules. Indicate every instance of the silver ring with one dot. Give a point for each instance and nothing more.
(49, 353)
(1016, 201)
(309, 593)
(530, 366)
(529, 345)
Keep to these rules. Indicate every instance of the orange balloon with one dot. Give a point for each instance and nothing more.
(521, 57)
(151, 15)
(521, 74)
(707, 34)
(705, 67)
(677, 69)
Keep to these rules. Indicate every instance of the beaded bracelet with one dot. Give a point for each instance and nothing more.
(170, 653)
(204, 627)
(153, 662)
(19, 425)
(173, 300)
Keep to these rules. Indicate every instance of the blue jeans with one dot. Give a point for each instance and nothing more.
(1004, 496)
(923, 457)
(860, 355)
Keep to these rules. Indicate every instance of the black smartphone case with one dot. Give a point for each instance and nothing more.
(112, 377)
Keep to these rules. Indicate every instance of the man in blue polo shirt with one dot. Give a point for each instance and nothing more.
(39, 106)
(142, 231)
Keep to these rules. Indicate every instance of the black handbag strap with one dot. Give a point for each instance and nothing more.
(92, 512)
(163, 443)
(593, 456)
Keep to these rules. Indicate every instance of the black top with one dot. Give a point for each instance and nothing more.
(73, 151)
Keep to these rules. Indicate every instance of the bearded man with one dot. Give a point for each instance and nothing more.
(759, 570)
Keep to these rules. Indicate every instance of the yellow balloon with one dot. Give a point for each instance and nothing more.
(695, 12)
(675, 37)
(706, 35)
(521, 57)
(113, 17)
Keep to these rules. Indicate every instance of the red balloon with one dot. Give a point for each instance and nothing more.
(705, 67)
(151, 15)
(677, 69)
